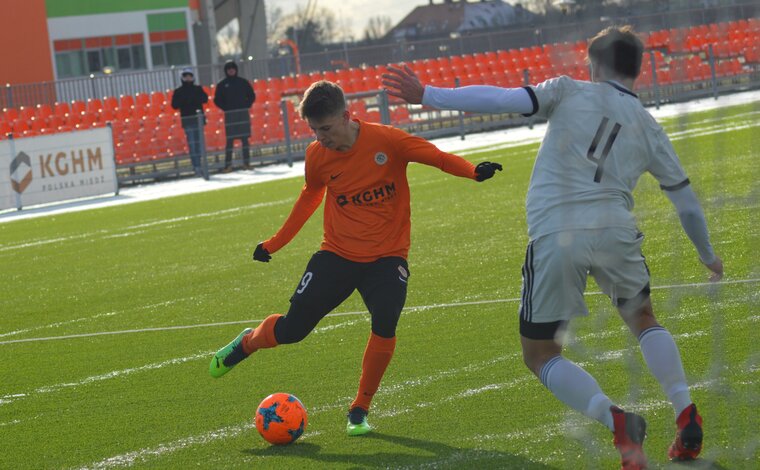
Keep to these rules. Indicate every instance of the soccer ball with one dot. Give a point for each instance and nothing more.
(281, 418)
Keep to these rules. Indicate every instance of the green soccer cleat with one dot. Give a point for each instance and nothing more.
(228, 357)
(357, 422)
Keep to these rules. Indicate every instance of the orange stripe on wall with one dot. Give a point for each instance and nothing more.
(168, 36)
(67, 45)
(179, 35)
(122, 40)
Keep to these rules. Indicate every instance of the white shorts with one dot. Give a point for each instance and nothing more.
(556, 267)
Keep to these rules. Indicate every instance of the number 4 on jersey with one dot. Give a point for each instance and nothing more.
(607, 146)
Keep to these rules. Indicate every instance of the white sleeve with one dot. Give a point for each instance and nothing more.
(693, 221)
(480, 99)
(664, 164)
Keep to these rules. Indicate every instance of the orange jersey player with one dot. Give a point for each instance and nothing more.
(361, 168)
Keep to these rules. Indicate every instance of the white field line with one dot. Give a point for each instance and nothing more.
(139, 456)
(129, 459)
(57, 324)
(467, 393)
(572, 425)
(387, 390)
(6, 399)
(419, 308)
(10, 398)
(142, 455)
(99, 315)
(136, 229)
(542, 433)
(605, 356)
(323, 329)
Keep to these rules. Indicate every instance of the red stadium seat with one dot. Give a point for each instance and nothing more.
(61, 109)
(110, 102)
(94, 105)
(78, 107)
(10, 114)
(127, 101)
(19, 127)
(56, 122)
(27, 113)
(44, 111)
(5, 129)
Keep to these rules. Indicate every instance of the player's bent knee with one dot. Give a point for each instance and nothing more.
(637, 312)
(536, 352)
(384, 325)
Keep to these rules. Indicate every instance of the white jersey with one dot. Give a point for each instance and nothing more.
(599, 141)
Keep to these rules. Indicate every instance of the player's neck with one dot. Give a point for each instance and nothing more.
(351, 136)
(626, 82)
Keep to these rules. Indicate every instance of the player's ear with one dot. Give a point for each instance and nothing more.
(346, 115)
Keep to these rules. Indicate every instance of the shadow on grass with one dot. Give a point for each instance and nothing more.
(422, 453)
(699, 464)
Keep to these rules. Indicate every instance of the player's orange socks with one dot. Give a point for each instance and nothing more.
(262, 337)
(377, 356)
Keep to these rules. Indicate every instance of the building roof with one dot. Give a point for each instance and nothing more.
(452, 16)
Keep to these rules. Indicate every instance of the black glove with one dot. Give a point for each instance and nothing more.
(485, 170)
(261, 254)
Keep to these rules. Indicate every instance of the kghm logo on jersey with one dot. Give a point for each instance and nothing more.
(370, 197)
(381, 158)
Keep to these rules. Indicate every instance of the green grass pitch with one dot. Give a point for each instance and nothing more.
(456, 394)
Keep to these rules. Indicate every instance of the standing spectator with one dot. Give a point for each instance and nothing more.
(189, 100)
(234, 95)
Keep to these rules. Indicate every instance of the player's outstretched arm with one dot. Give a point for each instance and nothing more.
(404, 84)
(308, 201)
(694, 224)
(419, 150)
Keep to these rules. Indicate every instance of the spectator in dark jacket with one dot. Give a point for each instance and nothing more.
(234, 95)
(189, 100)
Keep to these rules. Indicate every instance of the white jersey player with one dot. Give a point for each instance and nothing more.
(598, 142)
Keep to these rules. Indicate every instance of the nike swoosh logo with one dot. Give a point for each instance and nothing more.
(332, 177)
